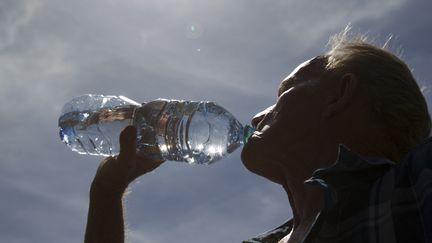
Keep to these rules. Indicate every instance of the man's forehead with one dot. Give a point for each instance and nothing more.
(311, 67)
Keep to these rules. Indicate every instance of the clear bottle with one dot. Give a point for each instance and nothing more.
(197, 132)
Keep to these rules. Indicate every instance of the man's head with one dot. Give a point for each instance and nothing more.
(357, 94)
(396, 101)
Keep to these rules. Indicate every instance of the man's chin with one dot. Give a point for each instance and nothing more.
(256, 162)
(252, 161)
(259, 167)
(247, 153)
(249, 158)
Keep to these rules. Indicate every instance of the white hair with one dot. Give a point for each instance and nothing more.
(396, 100)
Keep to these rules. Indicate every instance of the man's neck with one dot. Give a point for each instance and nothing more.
(306, 201)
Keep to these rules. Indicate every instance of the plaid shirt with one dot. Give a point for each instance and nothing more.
(371, 200)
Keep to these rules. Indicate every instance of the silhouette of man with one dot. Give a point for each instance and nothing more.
(337, 140)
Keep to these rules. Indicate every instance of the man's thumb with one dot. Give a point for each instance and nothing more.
(128, 142)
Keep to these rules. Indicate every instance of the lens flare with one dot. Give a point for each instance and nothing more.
(194, 31)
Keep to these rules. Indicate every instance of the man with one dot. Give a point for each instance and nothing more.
(335, 140)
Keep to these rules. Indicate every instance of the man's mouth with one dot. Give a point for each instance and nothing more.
(258, 133)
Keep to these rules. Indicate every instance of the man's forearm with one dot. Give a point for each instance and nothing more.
(105, 222)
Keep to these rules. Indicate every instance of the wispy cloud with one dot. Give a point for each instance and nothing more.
(53, 50)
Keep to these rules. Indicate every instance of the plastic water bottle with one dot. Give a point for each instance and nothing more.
(197, 132)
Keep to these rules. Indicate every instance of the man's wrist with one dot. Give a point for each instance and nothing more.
(102, 189)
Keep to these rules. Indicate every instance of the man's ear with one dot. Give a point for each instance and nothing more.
(342, 93)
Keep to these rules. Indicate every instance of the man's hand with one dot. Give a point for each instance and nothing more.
(115, 173)
(105, 223)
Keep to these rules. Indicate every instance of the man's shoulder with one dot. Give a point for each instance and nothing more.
(412, 195)
(418, 159)
(378, 198)
(415, 169)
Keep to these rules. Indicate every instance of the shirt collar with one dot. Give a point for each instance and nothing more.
(349, 170)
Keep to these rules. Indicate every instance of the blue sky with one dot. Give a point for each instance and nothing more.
(236, 55)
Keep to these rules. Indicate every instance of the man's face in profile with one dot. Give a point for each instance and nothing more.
(286, 129)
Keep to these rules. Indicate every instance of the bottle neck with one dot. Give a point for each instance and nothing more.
(247, 133)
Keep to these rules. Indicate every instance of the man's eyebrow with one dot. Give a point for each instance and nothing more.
(286, 84)
(281, 89)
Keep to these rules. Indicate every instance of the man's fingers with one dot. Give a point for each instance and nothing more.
(136, 165)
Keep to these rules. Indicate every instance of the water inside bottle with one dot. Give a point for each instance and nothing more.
(95, 132)
(195, 132)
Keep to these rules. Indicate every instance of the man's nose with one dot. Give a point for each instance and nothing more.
(260, 115)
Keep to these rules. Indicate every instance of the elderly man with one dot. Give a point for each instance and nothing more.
(337, 140)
